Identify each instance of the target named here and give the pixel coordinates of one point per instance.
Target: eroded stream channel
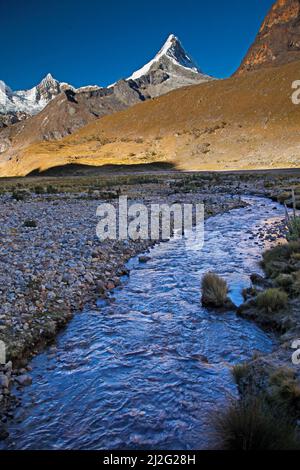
(149, 369)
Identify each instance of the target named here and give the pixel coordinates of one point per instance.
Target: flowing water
(132, 374)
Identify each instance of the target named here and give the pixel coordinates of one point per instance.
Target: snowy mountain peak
(49, 79)
(4, 88)
(29, 101)
(5, 92)
(173, 51)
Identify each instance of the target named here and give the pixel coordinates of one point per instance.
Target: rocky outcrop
(278, 40)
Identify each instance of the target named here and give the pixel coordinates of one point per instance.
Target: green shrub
(289, 282)
(51, 189)
(19, 195)
(255, 425)
(284, 197)
(276, 261)
(285, 390)
(272, 300)
(214, 290)
(296, 284)
(39, 190)
(294, 229)
(285, 281)
(30, 223)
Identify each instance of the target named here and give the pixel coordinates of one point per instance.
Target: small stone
(110, 285)
(144, 259)
(3, 434)
(24, 380)
(4, 382)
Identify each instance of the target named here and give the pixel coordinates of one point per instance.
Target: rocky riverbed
(52, 264)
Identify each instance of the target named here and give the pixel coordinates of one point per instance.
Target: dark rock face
(278, 41)
(128, 92)
(11, 118)
(48, 89)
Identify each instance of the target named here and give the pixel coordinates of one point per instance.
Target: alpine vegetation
(214, 290)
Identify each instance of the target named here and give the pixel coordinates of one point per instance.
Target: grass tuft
(278, 260)
(284, 281)
(239, 372)
(272, 300)
(294, 229)
(254, 425)
(285, 390)
(214, 290)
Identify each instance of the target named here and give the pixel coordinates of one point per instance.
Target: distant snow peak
(88, 88)
(50, 77)
(172, 50)
(48, 80)
(4, 88)
(5, 92)
(30, 101)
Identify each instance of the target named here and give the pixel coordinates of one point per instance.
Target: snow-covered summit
(174, 52)
(49, 80)
(30, 101)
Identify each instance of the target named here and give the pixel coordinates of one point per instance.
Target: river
(150, 368)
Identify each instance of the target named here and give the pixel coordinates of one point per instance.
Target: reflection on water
(147, 370)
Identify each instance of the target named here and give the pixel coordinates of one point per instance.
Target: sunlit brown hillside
(244, 122)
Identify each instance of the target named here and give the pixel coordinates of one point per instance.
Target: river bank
(269, 384)
(267, 414)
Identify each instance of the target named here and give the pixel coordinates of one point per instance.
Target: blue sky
(97, 42)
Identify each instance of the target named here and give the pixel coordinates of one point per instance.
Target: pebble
(24, 380)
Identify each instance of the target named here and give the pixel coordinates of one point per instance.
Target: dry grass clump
(255, 425)
(285, 390)
(240, 371)
(284, 281)
(296, 284)
(290, 283)
(294, 229)
(281, 259)
(272, 300)
(214, 290)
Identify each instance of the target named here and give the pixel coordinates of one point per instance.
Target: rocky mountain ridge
(278, 40)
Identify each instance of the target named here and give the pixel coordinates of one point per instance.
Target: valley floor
(52, 263)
